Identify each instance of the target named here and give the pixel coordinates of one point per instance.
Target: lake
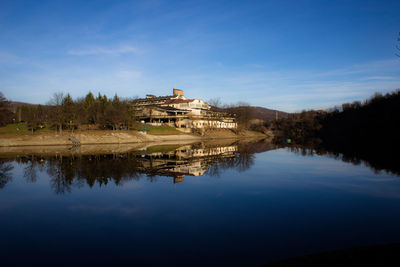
(234, 203)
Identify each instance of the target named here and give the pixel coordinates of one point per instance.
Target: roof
(158, 98)
(178, 101)
(171, 109)
(166, 108)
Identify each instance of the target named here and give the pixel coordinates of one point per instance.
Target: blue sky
(286, 55)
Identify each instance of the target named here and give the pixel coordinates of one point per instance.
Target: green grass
(163, 130)
(20, 128)
(16, 128)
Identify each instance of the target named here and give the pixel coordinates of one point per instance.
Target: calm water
(201, 204)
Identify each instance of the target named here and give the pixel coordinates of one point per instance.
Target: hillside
(267, 114)
(13, 105)
(254, 112)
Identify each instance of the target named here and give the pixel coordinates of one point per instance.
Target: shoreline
(116, 137)
(100, 149)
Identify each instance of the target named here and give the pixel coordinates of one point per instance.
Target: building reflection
(184, 161)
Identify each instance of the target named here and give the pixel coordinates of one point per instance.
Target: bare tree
(243, 113)
(57, 114)
(215, 102)
(2, 99)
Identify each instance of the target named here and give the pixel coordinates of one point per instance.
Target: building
(179, 112)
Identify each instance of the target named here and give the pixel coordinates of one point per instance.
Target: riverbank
(115, 137)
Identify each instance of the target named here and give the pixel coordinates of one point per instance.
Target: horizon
(220, 104)
(287, 56)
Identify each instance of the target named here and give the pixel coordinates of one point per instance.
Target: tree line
(373, 120)
(6, 116)
(241, 111)
(365, 130)
(62, 112)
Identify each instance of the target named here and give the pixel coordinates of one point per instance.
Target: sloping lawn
(20, 128)
(16, 128)
(163, 130)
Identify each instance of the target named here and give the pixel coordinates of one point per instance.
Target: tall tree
(89, 107)
(68, 111)
(6, 115)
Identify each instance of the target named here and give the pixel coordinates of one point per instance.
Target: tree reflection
(76, 170)
(245, 159)
(5, 175)
(241, 161)
(66, 172)
(30, 171)
(377, 161)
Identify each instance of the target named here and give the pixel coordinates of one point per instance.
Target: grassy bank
(23, 129)
(162, 130)
(16, 128)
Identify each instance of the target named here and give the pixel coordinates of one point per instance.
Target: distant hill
(267, 114)
(13, 105)
(260, 113)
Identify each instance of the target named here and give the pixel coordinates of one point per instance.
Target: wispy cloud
(127, 49)
(378, 78)
(128, 74)
(287, 90)
(388, 65)
(294, 90)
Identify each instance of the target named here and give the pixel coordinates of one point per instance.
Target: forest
(365, 130)
(62, 112)
(373, 121)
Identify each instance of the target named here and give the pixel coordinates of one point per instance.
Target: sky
(285, 55)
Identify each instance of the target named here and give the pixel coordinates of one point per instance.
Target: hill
(267, 114)
(259, 113)
(13, 105)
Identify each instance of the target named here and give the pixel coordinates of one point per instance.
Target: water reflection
(265, 206)
(383, 160)
(75, 170)
(79, 166)
(5, 175)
